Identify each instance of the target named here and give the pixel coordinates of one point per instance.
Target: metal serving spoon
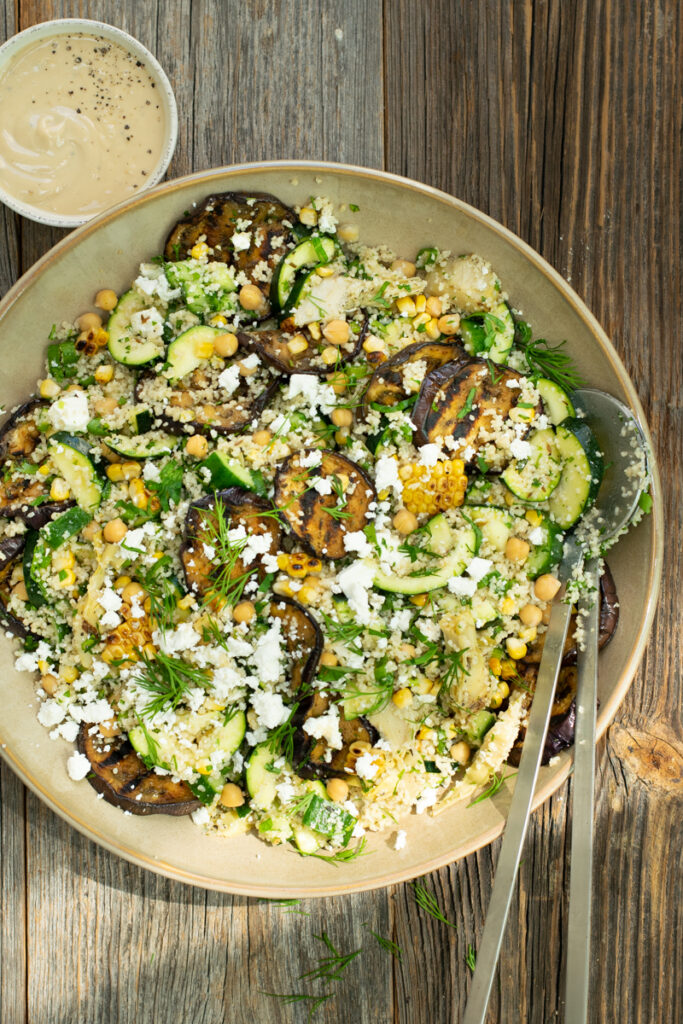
(622, 444)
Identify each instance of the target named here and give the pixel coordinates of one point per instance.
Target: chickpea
(329, 355)
(336, 332)
(251, 297)
(19, 591)
(49, 683)
(546, 587)
(297, 344)
(89, 321)
(517, 550)
(337, 382)
(404, 522)
(449, 324)
(90, 531)
(404, 267)
(262, 438)
(133, 592)
(478, 774)
(434, 306)
(181, 400)
(104, 406)
(531, 615)
(106, 299)
(460, 752)
(244, 611)
(329, 659)
(348, 232)
(231, 795)
(198, 446)
(246, 370)
(115, 531)
(225, 345)
(337, 790)
(342, 417)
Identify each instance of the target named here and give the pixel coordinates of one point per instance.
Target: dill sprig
(337, 511)
(329, 968)
(471, 958)
(427, 901)
(162, 591)
(231, 576)
(387, 945)
(492, 789)
(315, 1002)
(343, 632)
(546, 360)
(342, 856)
(168, 679)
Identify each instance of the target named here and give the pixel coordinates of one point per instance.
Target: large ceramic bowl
(406, 215)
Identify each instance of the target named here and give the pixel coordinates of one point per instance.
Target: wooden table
(563, 121)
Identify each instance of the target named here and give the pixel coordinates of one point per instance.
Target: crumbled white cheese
(148, 324)
(355, 581)
(229, 378)
(478, 568)
(201, 816)
(386, 475)
(270, 709)
(462, 587)
(268, 653)
(252, 362)
(537, 535)
(51, 713)
(183, 638)
(241, 240)
(326, 727)
(77, 767)
(520, 449)
(70, 411)
(429, 454)
(312, 458)
(366, 766)
(400, 840)
(428, 798)
(150, 471)
(286, 792)
(357, 542)
(322, 486)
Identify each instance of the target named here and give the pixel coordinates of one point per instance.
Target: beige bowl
(406, 215)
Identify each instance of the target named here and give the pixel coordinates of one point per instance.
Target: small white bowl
(68, 26)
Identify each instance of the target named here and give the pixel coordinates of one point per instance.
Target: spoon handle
(579, 926)
(520, 807)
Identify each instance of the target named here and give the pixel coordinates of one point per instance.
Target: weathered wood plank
(561, 121)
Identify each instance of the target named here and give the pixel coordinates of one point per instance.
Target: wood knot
(655, 761)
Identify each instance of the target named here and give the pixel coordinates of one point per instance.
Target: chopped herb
(467, 407)
(169, 486)
(427, 901)
(387, 945)
(491, 790)
(168, 679)
(645, 502)
(426, 257)
(354, 208)
(471, 958)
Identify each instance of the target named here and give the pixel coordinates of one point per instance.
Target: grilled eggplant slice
(198, 402)
(609, 616)
(322, 520)
(267, 221)
(460, 399)
(310, 753)
(271, 346)
(203, 573)
(19, 438)
(11, 550)
(124, 781)
(303, 639)
(386, 385)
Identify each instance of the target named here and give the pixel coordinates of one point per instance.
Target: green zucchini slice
(582, 472)
(260, 782)
(226, 472)
(535, 478)
(123, 344)
(311, 252)
(555, 401)
(185, 353)
(143, 446)
(463, 547)
(72, 458)
(489, 336)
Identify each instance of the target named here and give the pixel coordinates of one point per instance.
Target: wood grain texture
(562, 121)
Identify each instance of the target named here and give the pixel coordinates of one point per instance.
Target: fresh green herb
(492, 789)
(61, 360)
(354, 208)
(329, 968)
(426, 257)
(427, 901)
(467, 407)
(342, 856)
(168, 679)
(162, 590)
(169, 486)
(378, 298)
(315, 1002)
(338, 511)
(387, 945)
(471, 958)
(645, 502)
(482, 464)
(546, 360)
(229, 577)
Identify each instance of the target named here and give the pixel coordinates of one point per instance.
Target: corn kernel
(121, 582)
(431, 489)
(66, 578)
(528, 634)
(283, 587)
(308, 216)
(508, 670)
(516, 648)
(533, 517)
(495, 701)
(509, 498)
(402, 698)
(218, 320)
(297, 344)
(421, 318)
(138, 494)
(69, 673)
(199, 251)
(45, 469)
(419, 600)
(495, 666)
(422, 685)
(150, 650)
(62, 560)
(507, 606)
(406, 305)
(424, 733)
(203, 349)
(324, 271)
(186, 602)
(49, 388)
(315, 331)
(295, 565)
(432, 329)
(104, 373)
(59, 489)
(503, 690)
(420, 303)
(374, 345)
(43, 667)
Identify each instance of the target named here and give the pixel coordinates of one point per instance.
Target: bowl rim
(607, 710)
(63, 26)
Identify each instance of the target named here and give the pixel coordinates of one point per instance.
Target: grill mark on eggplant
(304, 508)
(386, 384)
(303, 638)
(242, 508)
(271, 346)
(18, 438)
(122, 782)
(309, 752)
(443, 404)
(215, 218)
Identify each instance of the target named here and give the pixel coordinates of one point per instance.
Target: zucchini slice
(555, 401)
(548, 553)
(260, 782)
(188, 350)
(200, 739)
(227, 472)
(311, 252)
(72, 458)
(464, 544)
(536, 477)
(142, 446)
(123, 344)
(582, 472)
(329, 819)
(489, 335)
(496, 524)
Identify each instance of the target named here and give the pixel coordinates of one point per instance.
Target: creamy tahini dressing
(81, 125)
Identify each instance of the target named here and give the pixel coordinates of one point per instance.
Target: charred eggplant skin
(8, 439)
(306, 511)
(11, 549)
(303, 636)
(386, 384)
(124, 780)
(271, 346)
(17, 440)
(609, 615)
(270, 224)
(241, 506)
(309, 753)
